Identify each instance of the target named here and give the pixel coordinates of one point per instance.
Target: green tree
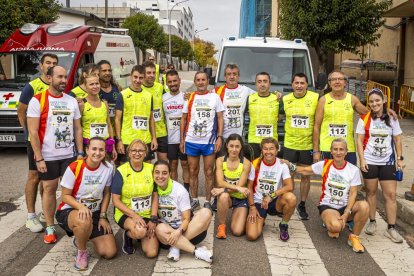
(179, 48)
(15, 13)
(204, 52)
(333, 26)
(145, 32)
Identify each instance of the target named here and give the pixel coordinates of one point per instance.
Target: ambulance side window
(85, 59)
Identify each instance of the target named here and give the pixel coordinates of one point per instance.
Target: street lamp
(169, 27)
(195, 34)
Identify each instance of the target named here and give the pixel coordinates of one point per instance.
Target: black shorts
(122, 220)
(350, 157)
(30, 157)
(174, 153)
(124, 157)
(56, 168)
(62, 217)
(239, 203)
(385, 172)
(326, 207)
(303, 157)
(271, 209)
(162, 144)
(196, 240)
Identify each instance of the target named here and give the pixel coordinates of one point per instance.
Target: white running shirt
(173, 110)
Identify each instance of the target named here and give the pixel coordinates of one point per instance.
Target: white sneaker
(42, 217)
(34, 225)
(371, 228)
(202, 253)
(174, 254)
(393, 235)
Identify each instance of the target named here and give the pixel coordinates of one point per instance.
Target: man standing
(234, 98)
(334, 118)
(156, 90)
(173, 104)
(53, 120)
(157, 68)
(109, 88)
(263, 108)
(34, 87)
(300, 107)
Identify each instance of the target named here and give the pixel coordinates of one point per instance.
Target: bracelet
(251, 205)
(154, 219)
(103, 215)
(316, 151)
(37, 161)
(292, 167)
(81, 153)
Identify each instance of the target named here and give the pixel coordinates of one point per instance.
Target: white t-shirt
(335, 187)
(269, 179)
(89, 186)
(171, 206)
(202, 122)
(56, 130)
(234, 101)
(379, 148)
(173, 109)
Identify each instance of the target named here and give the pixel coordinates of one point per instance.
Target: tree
(179, 48)
(15, 13)
(145, 32)
(333, 26)
(204, 52)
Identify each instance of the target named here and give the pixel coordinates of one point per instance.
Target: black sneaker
(128, 244)
(208, 206)
(194, 204)
(214, 204)
(303, 215)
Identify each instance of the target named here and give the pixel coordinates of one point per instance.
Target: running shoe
(221, 231)
(50, 235)
(82, 260)
(371, 228)
(195, 204)
(42, 217)
(202, 253)
(350, 225)
(207, 205)
(355, 243)
(393, 235)
(128, 244)
(303, 215)
(34, 225)
(174, 254)
(284, 234)
(214, 204)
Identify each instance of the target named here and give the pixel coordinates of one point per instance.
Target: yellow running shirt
(94, 121)
(157, 90)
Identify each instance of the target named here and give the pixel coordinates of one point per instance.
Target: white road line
(187, 265)
(297, 256)
(60, 259)
(12, 222)
(392, 258)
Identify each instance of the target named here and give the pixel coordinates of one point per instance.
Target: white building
(182, 23)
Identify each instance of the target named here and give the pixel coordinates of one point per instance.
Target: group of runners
(99, 142)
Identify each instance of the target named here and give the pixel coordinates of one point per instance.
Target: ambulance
(75, 46)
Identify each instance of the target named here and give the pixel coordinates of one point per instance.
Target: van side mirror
(321, 81)
(212, 80)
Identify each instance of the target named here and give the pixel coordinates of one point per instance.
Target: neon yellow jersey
(164, 82)
(38, 86)
(157, 90)
(264, 112)
(232, 177)
(300, 119)
(338, 122)
(136, 116)
(157, 73)
(79, 92)
(94, 121)
(137, 188)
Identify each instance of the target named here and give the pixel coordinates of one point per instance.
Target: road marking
(187, 265)
(298, 256)
(60, 259)
(13, 221)
(392, 258)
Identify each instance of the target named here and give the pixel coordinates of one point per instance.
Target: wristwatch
(400, 158)
(154, 219)
(103, 215)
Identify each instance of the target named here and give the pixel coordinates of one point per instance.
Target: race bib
(337, 130)
(233, 116)
(168, 213)
(140, 123)
(203, 114)
(61, 118)
(141, 204)
(99, 130)
(111, 110)
(300, 121)
(337, 191)
(266, 186)
(264, 130)
(93, 204)
(174, 123)
(157, 115)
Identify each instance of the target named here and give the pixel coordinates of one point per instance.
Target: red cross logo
(8, 96)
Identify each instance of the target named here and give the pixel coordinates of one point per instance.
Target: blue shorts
(193, 149)
(350, 157)
(271, 209)
(239, 202)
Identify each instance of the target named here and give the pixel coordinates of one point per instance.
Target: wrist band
(37, 161)
(251, 205)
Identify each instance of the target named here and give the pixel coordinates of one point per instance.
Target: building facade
(256, 18)
(116, 15)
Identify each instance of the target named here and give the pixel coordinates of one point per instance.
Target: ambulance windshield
(18, 68)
